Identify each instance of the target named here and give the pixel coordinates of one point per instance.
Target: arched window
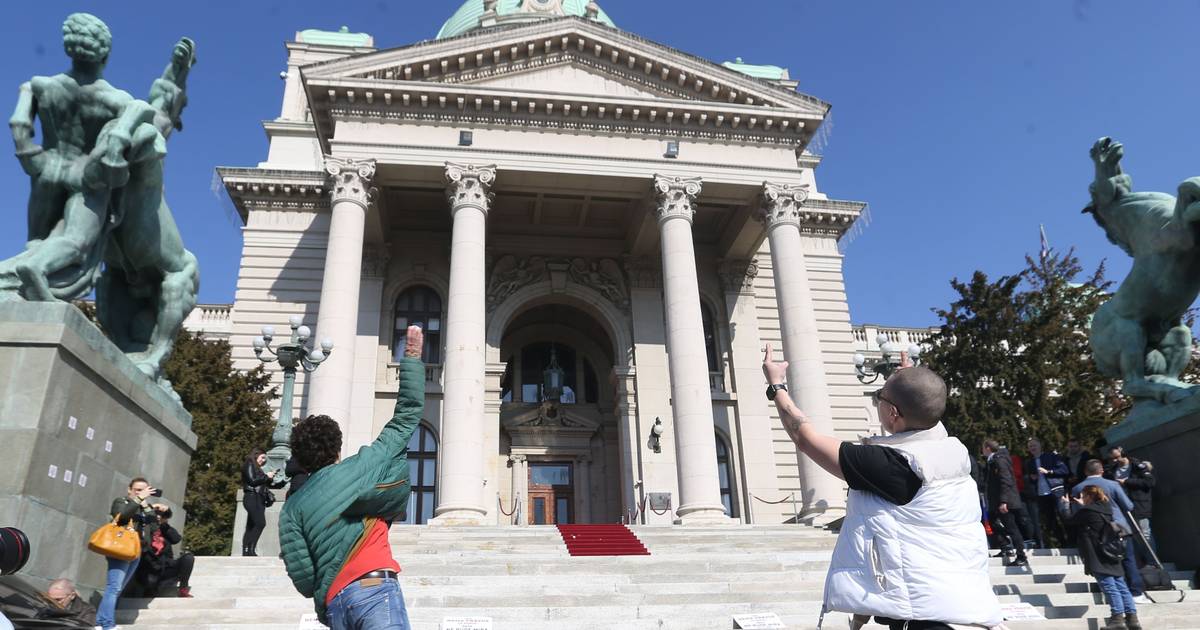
(422, 306)
(725, 473)
(422, 474)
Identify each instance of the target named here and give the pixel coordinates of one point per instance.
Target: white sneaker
(1142, 599)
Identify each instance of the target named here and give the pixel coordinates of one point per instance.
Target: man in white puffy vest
(912, 550)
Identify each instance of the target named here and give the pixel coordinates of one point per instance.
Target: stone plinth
(1171, 446)
(77, 422)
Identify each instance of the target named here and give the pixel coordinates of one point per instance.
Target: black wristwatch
(772, 389)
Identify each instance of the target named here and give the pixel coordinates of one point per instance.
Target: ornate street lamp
(893, 357)
(553, 378)
(290, 356)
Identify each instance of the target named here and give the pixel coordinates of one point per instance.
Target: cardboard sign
(1021, 611)
(466, 623)
(309, 622)
(758, 621)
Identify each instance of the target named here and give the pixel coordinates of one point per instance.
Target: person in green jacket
(334, 531)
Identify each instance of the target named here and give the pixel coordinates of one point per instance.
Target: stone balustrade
(210, 321)
(865, 336)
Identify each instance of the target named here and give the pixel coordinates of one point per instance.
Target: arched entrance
(557, 424)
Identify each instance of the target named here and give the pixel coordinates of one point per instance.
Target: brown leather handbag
(116, 542)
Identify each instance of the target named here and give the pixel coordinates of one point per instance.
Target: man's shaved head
(918, 394)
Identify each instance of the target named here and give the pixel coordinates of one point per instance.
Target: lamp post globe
(291, 356)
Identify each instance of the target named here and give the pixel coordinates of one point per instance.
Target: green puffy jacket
(329, 516)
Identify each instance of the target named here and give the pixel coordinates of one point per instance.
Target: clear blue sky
(963, 124)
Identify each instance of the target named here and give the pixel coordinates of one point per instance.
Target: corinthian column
(801, 340)
(330, 388)
(691, 398)
(460, 488)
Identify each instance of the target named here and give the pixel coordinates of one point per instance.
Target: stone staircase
(695, 578)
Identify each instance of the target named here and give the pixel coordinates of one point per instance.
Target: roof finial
(592, 10)
(344, 29)
(489, 5)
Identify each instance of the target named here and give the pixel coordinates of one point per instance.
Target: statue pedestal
(77, 422)
(1171, 445)
(268, 543)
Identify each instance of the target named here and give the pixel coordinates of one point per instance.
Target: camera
(14, 550)
(157, 492)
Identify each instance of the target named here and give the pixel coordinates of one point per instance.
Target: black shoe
(1001, 554)
(1019, 562)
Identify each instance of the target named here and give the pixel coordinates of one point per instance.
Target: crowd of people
(1100, 505)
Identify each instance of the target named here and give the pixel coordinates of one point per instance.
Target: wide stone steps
(695, 578)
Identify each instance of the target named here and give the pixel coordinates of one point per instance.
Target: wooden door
(551, 494)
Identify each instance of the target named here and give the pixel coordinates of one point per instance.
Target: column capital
(781, 204)
(738, 274)
(350, 180)
(517, 459)
(676, 196)
(469, 185)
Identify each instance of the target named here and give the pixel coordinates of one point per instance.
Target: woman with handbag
(130, 513)
(256, 497)
(1100, 549)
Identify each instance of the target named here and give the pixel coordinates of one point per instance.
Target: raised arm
(21, 125)
(822, 449)
(168, 93)
(410, 399)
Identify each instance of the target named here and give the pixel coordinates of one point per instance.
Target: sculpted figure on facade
(604, 276)
(510, 274)
(97, 216)
(1138, 335)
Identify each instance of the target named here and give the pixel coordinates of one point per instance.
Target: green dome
(466, 18)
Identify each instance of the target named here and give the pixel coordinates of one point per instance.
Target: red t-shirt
(373, 555)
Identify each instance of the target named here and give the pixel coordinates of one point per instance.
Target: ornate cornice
(469, 186)
(644, 272)
(252, 189)
(781, 204)
(676, 196)
(350, 180)
(737, 275)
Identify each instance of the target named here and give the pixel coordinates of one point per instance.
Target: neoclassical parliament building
(598, 233)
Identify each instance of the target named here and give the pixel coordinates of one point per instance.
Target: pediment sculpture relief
(510, 274)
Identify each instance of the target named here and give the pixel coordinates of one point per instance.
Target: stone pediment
(550, 416)
(565, 73)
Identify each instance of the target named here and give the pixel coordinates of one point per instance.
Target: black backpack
(1110, 544)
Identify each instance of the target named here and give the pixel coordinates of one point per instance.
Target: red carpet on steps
(601, 540)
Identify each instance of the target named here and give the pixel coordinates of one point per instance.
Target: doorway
(551, 493)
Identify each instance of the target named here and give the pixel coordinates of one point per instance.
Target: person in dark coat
(1003, 499)
(296, 475)
(1076, 458)
(255, 483)
(1137, 479)
(1094, 516)
(159, 563)
(1045, 478)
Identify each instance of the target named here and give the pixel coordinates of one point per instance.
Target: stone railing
(866, 334)
(433, 373)
(210, 320)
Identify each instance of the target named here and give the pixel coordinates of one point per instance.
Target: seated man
(159, 564)
(911, 551)
(65, 603)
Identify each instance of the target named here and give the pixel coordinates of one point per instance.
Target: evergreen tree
(1015, 355)
(231, 415)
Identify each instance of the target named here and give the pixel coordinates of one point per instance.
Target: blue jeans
(1117, 594)
(119, 574)
(1132, 575)
(359, 607)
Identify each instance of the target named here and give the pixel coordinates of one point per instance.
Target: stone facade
(649, 218)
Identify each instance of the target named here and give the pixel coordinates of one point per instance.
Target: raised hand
(414, 342)
(1107, 154)
(776, 372)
